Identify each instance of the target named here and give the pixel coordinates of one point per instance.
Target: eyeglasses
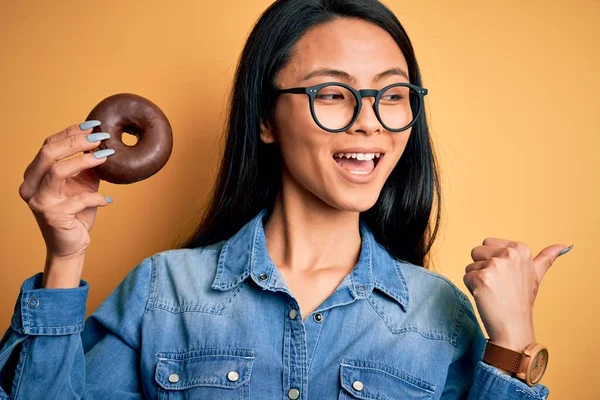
(335, 106)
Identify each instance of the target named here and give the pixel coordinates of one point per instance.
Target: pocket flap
(374, 380)
(180, 371)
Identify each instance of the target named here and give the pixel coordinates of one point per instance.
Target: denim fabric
(218, 323)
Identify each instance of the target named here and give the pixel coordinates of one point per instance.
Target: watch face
(538, 365)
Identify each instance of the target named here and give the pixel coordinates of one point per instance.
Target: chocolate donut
(127, 112)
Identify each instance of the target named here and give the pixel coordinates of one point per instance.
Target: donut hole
(131, 135)
(129, 139)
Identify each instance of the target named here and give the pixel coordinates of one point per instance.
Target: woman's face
(360, 52)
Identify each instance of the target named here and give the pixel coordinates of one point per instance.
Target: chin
(356, 204)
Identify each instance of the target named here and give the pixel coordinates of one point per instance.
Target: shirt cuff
(491, 383)
(40, 311)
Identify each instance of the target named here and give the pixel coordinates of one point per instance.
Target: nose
(367, 122)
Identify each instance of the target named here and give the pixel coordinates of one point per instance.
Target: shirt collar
(245, 255)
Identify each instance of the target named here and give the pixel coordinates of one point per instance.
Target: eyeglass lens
(335, 107)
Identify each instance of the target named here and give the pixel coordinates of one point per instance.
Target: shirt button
(294, 394)
(173, 378)
(233, 376)
(358, 386)
(263, 277)
(33, 302)
(293, 313)
(318, 317)
(361, 288)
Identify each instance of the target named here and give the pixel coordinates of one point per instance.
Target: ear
(266, 133)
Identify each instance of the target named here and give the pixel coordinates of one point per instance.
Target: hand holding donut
(64, 205)
(504, 280)
(62, 192)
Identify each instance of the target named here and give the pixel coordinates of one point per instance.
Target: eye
(395, 95)
(392, 97)
(330, 96)
(334, 94)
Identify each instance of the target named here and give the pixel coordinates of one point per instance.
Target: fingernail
(96, 137)
(103, 153)
(84, 126)
(565, 251)
(109, 199)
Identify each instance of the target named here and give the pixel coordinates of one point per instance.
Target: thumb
(544, 260)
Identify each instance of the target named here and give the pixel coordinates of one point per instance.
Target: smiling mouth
(358, 163)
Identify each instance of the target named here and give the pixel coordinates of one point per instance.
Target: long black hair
(250, 173)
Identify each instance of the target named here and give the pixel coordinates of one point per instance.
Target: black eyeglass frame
(311, 92)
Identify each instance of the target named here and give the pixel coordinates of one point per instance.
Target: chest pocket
(222, 374)
(374, 380)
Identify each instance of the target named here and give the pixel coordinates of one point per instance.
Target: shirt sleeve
(470, 378)
(49, 352)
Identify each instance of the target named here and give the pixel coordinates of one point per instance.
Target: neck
(305, 234)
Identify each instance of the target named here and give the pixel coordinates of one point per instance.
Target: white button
(233, 376)
(293, 313)
(294, 394)
(358, 386)
(173, 378)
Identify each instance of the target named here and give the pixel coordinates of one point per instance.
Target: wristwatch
(528, 366)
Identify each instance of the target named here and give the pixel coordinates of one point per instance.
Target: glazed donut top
(134, 114)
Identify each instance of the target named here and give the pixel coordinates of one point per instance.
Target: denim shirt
(219, 322)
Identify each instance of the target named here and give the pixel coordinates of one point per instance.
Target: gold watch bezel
(530, 354)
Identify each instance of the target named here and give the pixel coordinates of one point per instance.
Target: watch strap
(502, 358)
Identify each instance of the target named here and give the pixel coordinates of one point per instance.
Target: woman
(304, 279)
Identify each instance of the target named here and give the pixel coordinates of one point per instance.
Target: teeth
(359, 156)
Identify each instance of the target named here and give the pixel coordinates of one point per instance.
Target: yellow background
(513, 107)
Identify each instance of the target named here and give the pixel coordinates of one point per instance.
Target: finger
(49, 154)
(473, 281)
(544, 260)
(69, 131)
(481, 253)
(73, 130)
(60, 136)
(476, 266)
(521, 248)
(80, 202)
(58, 172)
(497, 242)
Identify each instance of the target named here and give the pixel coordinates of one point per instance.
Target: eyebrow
(346, 76)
